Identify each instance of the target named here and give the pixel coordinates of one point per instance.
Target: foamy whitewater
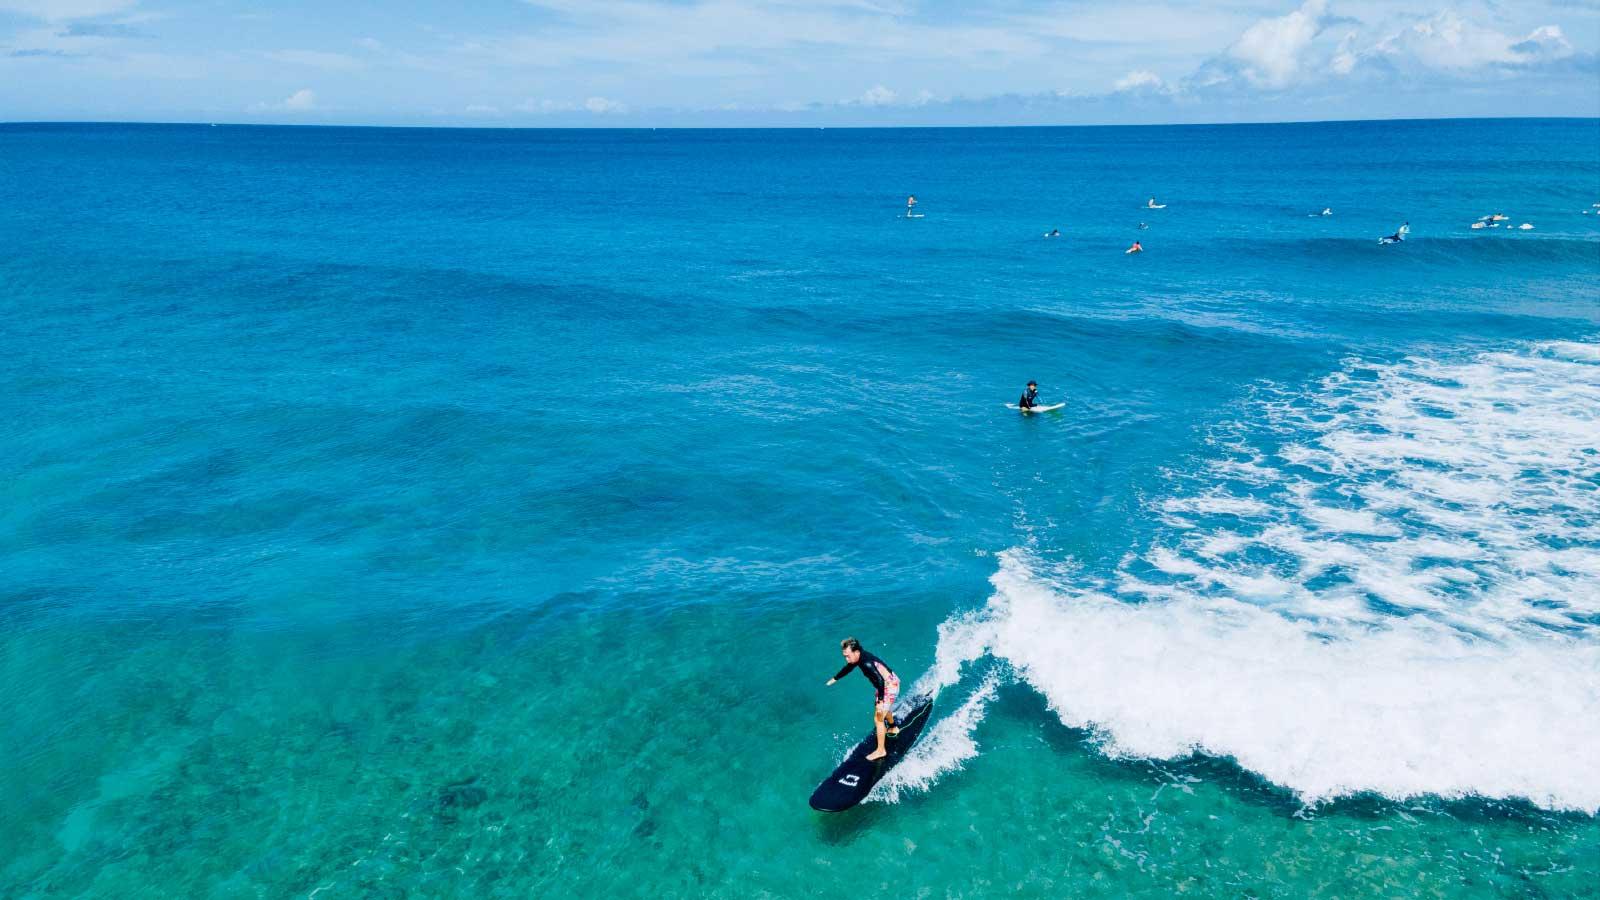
(1385, 584)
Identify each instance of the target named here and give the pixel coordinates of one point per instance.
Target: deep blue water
(477, 513)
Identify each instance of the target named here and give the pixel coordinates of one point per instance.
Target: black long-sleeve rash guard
(872, 667)
(1030, 397)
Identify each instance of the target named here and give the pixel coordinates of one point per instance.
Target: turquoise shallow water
(476, 513)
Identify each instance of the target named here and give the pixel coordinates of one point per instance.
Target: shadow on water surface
(843, 828)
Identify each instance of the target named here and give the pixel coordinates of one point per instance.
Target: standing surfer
(911, 206)
(884, 682)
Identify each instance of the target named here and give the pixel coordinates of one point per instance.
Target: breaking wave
(1389, 583)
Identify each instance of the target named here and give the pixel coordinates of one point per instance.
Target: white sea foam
(945, 746)
(1406, 709)
(1399, 593)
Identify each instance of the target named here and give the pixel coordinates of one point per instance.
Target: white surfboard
(1036, 408)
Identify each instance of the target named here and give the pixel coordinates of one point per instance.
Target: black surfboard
(853, 780)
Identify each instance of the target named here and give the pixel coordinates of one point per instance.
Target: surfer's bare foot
(877, 754)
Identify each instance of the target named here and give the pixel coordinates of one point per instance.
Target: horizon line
(486, 127)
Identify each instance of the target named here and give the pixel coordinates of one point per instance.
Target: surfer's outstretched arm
(848, 668)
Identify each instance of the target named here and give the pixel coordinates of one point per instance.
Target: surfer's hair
(850, 644)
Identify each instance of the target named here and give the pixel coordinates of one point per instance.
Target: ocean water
(426, 513)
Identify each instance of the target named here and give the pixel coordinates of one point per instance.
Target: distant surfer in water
(1398, 236)
(1136, 248)
(1030, 397)
(1152, 204)
(1054, 232)
(884, 681)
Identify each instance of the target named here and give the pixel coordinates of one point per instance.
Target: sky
(734, 63)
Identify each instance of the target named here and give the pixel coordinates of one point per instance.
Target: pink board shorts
(891, 691)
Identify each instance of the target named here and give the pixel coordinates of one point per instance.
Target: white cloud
(1298, 49)
(1344, 59)
(1446, 41)
(546, 106)
(877, 95)
(302, 100)
(1269, 53)
(1544, 42)
(316, 59)
(482, 109)
(1139, 79)
(597, 105)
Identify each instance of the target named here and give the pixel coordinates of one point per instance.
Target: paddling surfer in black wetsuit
(884, 681)
(1030, 397)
